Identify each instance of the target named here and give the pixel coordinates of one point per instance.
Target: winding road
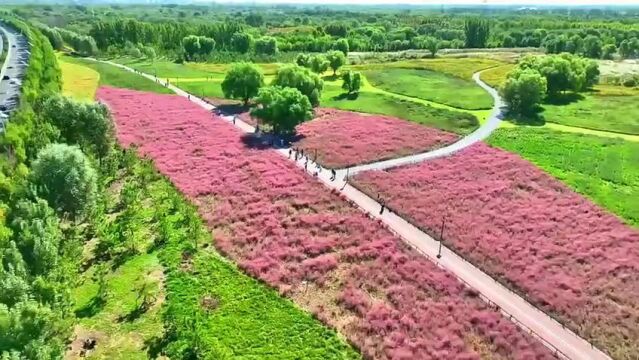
(492, 123)
(562, 341)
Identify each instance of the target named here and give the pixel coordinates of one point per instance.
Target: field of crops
(431, 86)
(604, 169)
(80, 82)
(344, 138)
(496, 76)
(522, 226)
(286, 229)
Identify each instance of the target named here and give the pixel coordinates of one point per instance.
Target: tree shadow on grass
(534, 119)
(331, 77)
(233, 109)
(133, 314)
(347, 96)
(91, 308)
(564, 99)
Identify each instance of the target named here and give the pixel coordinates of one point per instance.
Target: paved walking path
(559, 339)
(490, 125)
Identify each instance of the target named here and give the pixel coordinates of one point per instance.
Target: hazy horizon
(438, 2)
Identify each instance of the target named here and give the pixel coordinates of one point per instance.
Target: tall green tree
(191, 45)
(319, 64)
(62, 175)
(524, 91)
(241, 42)
(477, 32)
(342, 45)
(242, 81)
(336, 60)
(302, 79)
(282, 108)
(352, 81)
(266, 45)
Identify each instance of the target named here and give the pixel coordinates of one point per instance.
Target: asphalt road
(12, 71)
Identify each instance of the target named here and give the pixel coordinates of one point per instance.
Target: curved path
(482, 132)
(563, 342)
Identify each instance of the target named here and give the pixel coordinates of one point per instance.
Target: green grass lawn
(116, 77)
(118, 338)
(617, 113)
(432, 86)
(463, 68)
(605, 170)
(202, 88)
(376, 103)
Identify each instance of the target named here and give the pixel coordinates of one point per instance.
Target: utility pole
(441, 237)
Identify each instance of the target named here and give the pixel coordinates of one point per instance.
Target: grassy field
(202, 88)
(80, 82)
(116, 77)
(459, 67)
(604, 169)
(603, 110)
(376, 103)
(496, 76)
(431, 86)
(120, 335)
(198, 297)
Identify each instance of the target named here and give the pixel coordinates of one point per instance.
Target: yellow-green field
(78, 82)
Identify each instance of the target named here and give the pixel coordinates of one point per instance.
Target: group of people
(296, 154)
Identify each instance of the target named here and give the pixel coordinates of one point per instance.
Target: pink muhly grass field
(285, 228)
(343, 138)
(524, 227)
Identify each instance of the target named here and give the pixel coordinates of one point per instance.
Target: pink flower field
(519, 224)
(285, 228)
(345, 138)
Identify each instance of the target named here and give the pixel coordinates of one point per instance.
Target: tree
(303, 60)
(241, 42)
(206, 45)
(352, 81)
(319, 64)
(255, 20)
(86, 124)
(191, 45)
(336, 60)
(432, 45)
(282, 108)
(242, 81)
(629, 48)
(523, 91)
(509, 42)
(477, 32)
(575, 44)
(266, 45)
(301, 79)
(608, 51)
(592, 47)
(62, 175)
(342, 45)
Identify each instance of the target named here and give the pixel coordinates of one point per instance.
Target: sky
(451, 2)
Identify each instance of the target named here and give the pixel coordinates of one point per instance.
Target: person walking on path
(333, 174)
(306, 164)
(382, 203)
(290, 152)
(234, 119)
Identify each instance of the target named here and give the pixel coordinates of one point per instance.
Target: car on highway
(6, 77)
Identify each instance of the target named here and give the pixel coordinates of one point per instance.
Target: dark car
(6, 77)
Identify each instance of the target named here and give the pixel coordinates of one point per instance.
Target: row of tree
(539, 78)
(291, 96)
(83, 44)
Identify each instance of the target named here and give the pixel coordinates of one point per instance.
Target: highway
(12, 71)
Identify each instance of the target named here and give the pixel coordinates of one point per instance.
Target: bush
(62, 175)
